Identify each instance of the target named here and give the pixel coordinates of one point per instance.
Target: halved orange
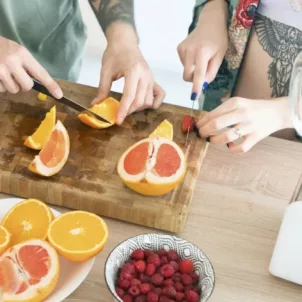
(78, 235)
(29, 272)
(54, 154)
(28, 219)
(164, 129)
(153, 166)
(107, 109)
(38, 139)
(5, 238)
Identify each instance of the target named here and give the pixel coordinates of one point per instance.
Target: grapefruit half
(54, 154)
(153, 166)
(29, 271)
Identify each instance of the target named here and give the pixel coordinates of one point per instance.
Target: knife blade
(68, 102)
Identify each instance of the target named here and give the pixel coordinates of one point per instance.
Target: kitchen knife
(76, 106)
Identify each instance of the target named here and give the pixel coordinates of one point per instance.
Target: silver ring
(238, 132)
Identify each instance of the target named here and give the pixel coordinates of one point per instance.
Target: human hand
(253, 120)
(202, 52)
(17, 66)
(124, 59)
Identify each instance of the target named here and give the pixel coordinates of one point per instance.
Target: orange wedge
(28, 219)
(54, 154)
(38, 139)
(78, 235)
(164, 129)
(5, 238)
(107, 109)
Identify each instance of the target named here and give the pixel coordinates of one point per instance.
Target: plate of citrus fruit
(45, 255)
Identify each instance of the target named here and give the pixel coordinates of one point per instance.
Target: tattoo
(283, 43)
(111, 11)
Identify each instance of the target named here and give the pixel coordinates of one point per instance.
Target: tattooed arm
(123, 58)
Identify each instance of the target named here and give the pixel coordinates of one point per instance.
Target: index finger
(40, 74)
(129, 93)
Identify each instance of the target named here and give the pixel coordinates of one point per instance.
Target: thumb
(104, 87)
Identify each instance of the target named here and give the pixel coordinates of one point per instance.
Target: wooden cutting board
(89, 180)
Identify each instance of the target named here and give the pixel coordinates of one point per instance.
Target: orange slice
(29, 271)
(153, 166)
(28, 219)
(107, 109)
(78, 235)
(5, 239)
(165, 130)
(38, 139)
(54, 154)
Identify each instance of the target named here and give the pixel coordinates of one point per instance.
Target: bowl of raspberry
(159, 268)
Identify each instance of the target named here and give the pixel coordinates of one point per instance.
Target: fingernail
(205, 86)
(193, 96)
(58, 93)
(196, 130)
(208, 139)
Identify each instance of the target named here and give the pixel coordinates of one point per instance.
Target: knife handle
(40, 88)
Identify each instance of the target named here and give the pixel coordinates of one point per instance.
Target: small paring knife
(76, 106)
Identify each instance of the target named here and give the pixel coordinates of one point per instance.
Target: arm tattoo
(112, 11)
(283, 43)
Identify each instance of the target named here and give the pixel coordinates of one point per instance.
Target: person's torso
(53, 31)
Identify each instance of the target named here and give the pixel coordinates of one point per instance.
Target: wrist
(285, 112)
(121, 33)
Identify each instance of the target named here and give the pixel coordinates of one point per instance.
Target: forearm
(116, 18)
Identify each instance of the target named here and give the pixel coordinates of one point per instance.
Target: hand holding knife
(68, 102)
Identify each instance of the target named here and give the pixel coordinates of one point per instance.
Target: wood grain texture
(89, 180)
(235, 215)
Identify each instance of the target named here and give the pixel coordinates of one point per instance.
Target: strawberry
(140, 266)
(152, 297)
(188, 123)
(186, 266)
(191, 296)
(138, 255)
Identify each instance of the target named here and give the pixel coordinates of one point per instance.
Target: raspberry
(180, 296)
(128, 268)
(125, 276)
(157, 290)
(191, 296)
(164, 260)
(172, 255)
(145, 288)
(127, 298)
(165, 299)
(144, 278)
(186, 266)
(120, 292)
(179, 287)
(169, 291)
(140, 299)
(162, 252)
(176, 277)
(150, 270)
(152, 297)
(154, 259)
(124, 284)
(186, 279)
(134, 291)
(197, 290)
(188, 288)
(157, 279)
(168, 282)
(167, 270)
(135, 282)
(195, 277)
(140, 266)
(138, 255)
(175, 265)
(188, 123)
(148, 253)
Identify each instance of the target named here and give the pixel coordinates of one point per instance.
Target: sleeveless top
(53, 31)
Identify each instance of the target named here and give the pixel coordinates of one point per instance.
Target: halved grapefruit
(54, 154)
(107, 109)
(29, 271)
(38, 139)
(153, 166)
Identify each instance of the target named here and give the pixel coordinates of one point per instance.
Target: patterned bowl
(185, 249)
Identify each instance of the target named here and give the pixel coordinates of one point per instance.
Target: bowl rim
(159, 234)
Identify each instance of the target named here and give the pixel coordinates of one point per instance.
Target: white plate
(71, 274)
